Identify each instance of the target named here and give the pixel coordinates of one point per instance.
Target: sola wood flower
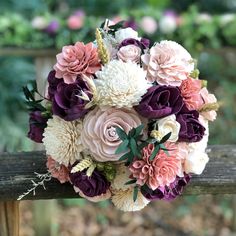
(120, 84)
(76, 60)
(62, 140)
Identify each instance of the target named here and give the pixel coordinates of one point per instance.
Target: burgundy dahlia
(160, 101)
(37, 125)
(191, 130)
(92, 186)
(66, 101)
(168, 192)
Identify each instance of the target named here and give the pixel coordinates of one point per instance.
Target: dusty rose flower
(99, 131)
(75, 22)
(190, 91)
(208, 98)
(76, 60)
(129, 53)
(160, 172)
(57, 170)
(167, 63)
(148, 24)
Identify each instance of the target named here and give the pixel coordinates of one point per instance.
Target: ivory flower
(62, 140)
(99, 131)
(123, 200)
(120, 84)
(169, 124)
(167, 63)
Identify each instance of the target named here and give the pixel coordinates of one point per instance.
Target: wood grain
(17, 171)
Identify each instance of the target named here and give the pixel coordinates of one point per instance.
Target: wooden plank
(28, 52)
(9, 218)
(17, 171)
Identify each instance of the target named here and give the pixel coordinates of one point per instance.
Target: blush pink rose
(99, 132)
(167, 63)
(57, 170)
(75, 22)
(75, 60)
(129, 53)
(190, 91)
(208, 98)
(160, 172)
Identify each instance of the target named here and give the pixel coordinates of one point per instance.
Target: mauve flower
(190, 91)
(52, 27)
(37, 125)
(57, 170)
(208, 98)
(191, 130)
(130, 23)
(143, 43)
(90, 186)
(168, 192)
(66, 100)
(129, 53)
(78, 59)
(160, 101)
(99, 131)
(159, 172)
(167, 63)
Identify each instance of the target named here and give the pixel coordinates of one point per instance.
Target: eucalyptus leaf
(123, 147)
(165, 138)
(133, 146)
(132, 181)
(121, 133)
(135, 193)
(155, 151)
(138, 130)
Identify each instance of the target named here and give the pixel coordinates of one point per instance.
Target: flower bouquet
(122, 119)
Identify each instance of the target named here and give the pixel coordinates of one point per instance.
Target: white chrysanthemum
(121, 84)
(123, 200)
(62, 140)
(122, 177)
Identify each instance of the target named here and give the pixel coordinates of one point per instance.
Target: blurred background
(32, 32)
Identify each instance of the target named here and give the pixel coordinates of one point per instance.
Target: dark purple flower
(92, 186)
(52, 27)
(160, 101)
(168, 192)
(143, 43)
(37, 125)
(191, 130)
(66, 102)
(131, 23)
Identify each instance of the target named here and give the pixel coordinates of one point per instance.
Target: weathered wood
(9, 218)
(28, 52)
(17, 171)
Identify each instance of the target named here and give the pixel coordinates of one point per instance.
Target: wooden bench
(17, 171)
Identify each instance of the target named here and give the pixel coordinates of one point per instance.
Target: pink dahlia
(190, 91)
(161, 171)
(75, 60)
(57, 170)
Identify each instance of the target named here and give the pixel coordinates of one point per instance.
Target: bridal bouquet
(123, 119)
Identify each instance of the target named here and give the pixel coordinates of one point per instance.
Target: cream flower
(169, 124)
(99, 131)
(123, 200)
(120, 84)
(62, 140)
(167, 63)
(126, 33)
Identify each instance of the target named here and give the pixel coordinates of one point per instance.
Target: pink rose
(190, 91)
(75, 60)
(167, 63)
(208, 98)
(75, 22)
(99, 132)
(57, 170)
(129, 53)
(160, 172)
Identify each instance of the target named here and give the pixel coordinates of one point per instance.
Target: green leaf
(121, 133)
(155, 151)
(138, 130)
(131, 133)
(135, 193)
(162, 146)
(132, 181)
(123, 147)
(125, 156)
(27, 93)
(165, 138)
(133, 146)
(151, 140)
